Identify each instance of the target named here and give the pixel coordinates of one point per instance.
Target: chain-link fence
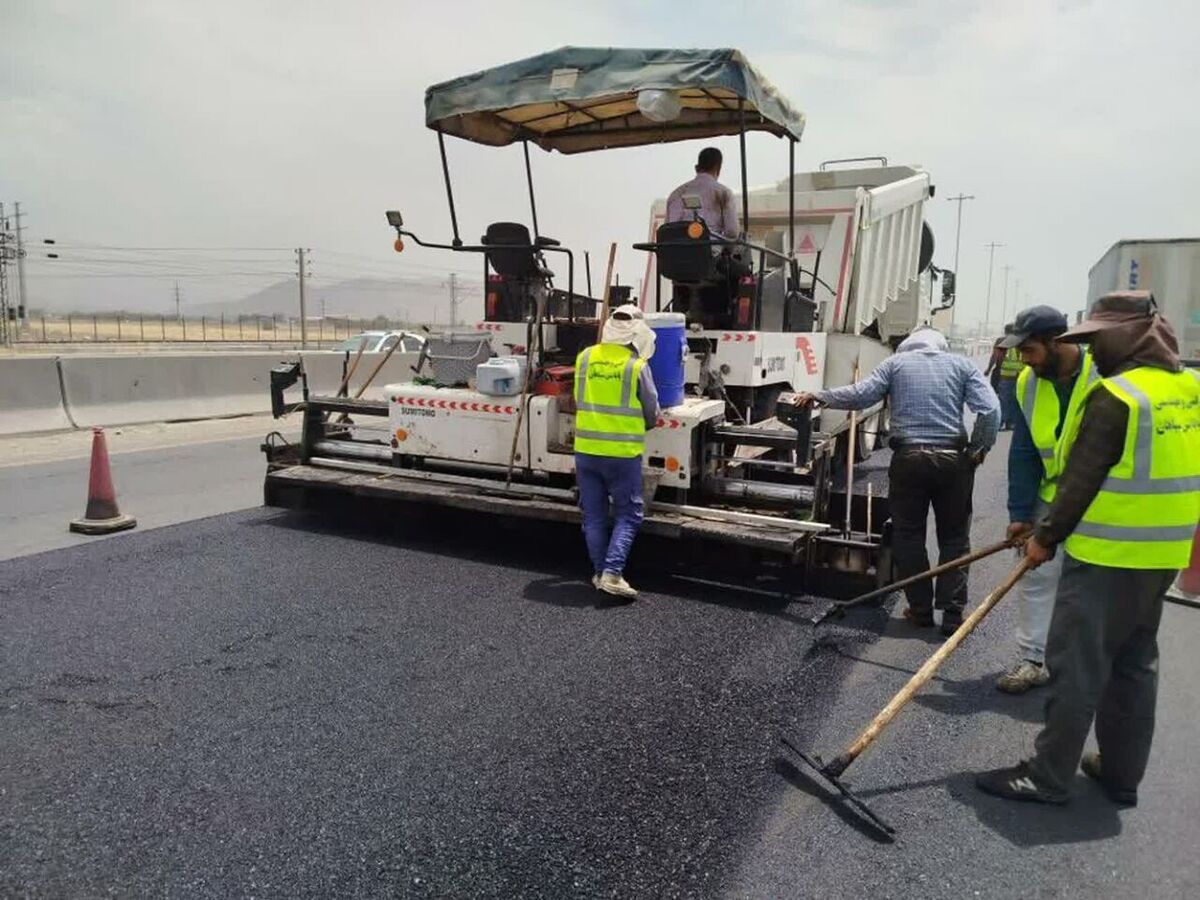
(136, 328)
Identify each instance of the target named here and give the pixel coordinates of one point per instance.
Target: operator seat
(689, 260)
(514, 255)
(521, 276)
(698, 287)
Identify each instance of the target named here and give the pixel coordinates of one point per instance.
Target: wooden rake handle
(942, 568)
(836, 766)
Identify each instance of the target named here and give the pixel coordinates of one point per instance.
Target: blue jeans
(601, 478)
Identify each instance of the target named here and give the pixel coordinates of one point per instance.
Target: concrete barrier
(126, 390)
(47, 394)
(324, 371)
(31, 396)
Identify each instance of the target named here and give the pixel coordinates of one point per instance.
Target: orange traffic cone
(102, 515)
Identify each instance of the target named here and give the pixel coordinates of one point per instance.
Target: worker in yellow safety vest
(615, 405)
(1125, 510)
(1010, 368)
(1050, 388)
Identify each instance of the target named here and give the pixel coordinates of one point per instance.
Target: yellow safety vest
(608, 413)
(1040, 405)
(1145, 515)
(1012, 365)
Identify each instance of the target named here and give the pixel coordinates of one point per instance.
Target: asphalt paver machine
(737, 463)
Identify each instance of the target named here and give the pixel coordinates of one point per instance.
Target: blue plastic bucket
(670, 350)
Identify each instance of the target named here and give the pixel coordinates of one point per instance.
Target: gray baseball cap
(1036, 320)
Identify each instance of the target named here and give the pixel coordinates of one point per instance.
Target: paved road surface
(164, 474)
(258, 703)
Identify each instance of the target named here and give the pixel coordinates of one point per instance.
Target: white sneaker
(1023, 676)
(612, 583)
(596, 581)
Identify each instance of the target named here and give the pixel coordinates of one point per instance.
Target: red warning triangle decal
(808, 245)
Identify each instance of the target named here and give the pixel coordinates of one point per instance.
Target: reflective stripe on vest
(608, 413)
(1042, 410)
(1012, 365)
(1145, 514)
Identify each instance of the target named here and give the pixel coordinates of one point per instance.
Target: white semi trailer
(1169, 268)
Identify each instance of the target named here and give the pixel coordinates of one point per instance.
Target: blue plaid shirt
(928, 387)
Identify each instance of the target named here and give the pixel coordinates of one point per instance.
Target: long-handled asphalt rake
(838, 608)
(832, 770)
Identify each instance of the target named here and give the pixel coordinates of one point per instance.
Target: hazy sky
(281, 124)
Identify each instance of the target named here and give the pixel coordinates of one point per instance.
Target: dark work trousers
(1010, 408)
(943, 478)
(1103, 656)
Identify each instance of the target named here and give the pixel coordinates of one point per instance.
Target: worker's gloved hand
(806, 399)
(1017, 529)
(1037, 553)
(976, 457)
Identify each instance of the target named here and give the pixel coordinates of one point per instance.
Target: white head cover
(627, 325)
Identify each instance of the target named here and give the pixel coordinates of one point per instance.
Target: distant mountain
(410, 300)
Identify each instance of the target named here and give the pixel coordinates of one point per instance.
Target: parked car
(381, 341)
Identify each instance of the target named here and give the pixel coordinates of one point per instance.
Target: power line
(88, 246)
(168, 275)
(405, 264)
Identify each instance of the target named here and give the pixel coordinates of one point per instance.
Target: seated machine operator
(718, 209)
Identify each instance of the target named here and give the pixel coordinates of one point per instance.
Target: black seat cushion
(515, 255)
(690, 260)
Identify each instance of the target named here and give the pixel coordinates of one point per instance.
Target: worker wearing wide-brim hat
(1124, 513)
(616, 404)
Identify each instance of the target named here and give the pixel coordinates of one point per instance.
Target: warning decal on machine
(433, 403)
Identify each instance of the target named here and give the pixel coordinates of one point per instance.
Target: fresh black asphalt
(269, 704)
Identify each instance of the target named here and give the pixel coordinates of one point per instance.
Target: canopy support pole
(791, 198)
(742, 144)
(457, 242)
(532, 202)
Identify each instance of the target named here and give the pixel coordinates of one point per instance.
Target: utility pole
(453, 299)
(300, 251)
(178, 307)
(22, 297)
(987, 314)
(957, 236)
(1004, 302)
(6, 253)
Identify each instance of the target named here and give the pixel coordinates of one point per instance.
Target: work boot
(1090, 764)
(952, 620)
(922, 618)
(596, 581)
(1017, 783)
(1022, 677)
(613, 583)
